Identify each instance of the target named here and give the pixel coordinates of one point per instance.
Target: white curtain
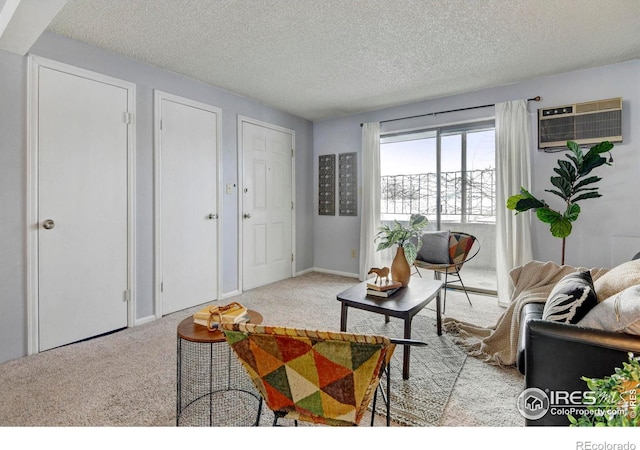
(370, 211)
(513, 153)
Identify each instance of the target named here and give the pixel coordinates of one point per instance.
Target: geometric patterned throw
(315, 376)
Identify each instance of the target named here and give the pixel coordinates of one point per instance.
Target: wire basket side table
(212, 387)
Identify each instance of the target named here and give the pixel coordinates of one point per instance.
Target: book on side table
(210, 316)
(382, 288)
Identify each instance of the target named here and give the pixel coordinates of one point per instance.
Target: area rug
(420, 400)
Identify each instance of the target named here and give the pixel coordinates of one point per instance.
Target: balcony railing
(465, 196)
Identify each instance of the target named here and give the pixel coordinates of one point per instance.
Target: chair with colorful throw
(445, 252)
(323, 377)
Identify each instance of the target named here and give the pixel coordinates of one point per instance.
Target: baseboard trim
(304, 272)
(144, 320)
(231, 294)
(336, 272)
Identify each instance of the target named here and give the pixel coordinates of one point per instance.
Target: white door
(82, 201)
(188, 159)
(267, 204)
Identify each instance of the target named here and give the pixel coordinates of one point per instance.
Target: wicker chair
(460, 252)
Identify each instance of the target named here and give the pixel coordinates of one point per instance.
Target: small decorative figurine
(380, 274)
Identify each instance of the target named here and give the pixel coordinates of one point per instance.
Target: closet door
(188, 209)
(82, 199)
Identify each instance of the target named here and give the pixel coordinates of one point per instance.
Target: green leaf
(577, 151)
(547, 215)
(561, 228)
(524, 201)
(563, 184)
(575, 191)
(410, 252)
(401, 235)
(559, 194)
(572, 212)
(417, 221)
(576, 163)
(526, 204)
(574, 147)
(567, 170)
(602, 147)
(591, 162)
(586, 196)
(513, 201)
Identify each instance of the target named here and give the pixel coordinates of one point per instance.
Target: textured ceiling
(325, 58)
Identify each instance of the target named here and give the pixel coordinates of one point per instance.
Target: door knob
(212, 216)
(48, 224)
(247, 216)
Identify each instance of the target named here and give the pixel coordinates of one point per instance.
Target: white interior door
(82, 203)
(267, 204)
(188, 158)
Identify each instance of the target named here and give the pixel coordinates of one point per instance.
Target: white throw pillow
(619, 313)
(617, 279)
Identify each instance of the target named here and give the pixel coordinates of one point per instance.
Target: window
(448, 174)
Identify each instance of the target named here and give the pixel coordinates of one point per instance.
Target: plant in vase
(572, 185)
(408, 239)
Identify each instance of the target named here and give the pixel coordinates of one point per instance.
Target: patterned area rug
(420, 400)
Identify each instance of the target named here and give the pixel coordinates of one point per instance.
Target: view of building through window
(449, 175)
(409, 172)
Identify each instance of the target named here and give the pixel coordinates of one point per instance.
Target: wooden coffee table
(404, 304)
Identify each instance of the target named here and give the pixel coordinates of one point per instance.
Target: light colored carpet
(128, 378)
(420, 400)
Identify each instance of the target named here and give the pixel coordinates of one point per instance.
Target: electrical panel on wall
(585, 123)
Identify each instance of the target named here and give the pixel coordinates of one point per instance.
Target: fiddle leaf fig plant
(403, 236)
(571, 184)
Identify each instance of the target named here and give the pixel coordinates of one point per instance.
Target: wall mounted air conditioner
(584, 123)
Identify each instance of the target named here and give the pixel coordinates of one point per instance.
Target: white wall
(617, 213)
(13, 151)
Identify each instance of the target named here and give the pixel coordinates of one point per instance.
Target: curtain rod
(535, 99)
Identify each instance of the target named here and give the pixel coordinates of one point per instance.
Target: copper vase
(400, 269)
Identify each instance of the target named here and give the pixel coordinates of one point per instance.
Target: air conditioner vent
(586, 107)
(585, 123)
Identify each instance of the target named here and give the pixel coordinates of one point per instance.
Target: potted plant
(408, 239)
(614, 399)
(572, 186)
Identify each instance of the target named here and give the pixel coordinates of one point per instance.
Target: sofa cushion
(617, 279)
(435, 247)
(571, 298)
(619, 313)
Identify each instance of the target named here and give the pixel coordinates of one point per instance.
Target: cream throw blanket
(498, 345)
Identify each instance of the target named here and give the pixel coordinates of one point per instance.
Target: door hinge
(127, 118)
(126, 297)
(292, 257)
(292, 153)
(162, 286)
(291, 206)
